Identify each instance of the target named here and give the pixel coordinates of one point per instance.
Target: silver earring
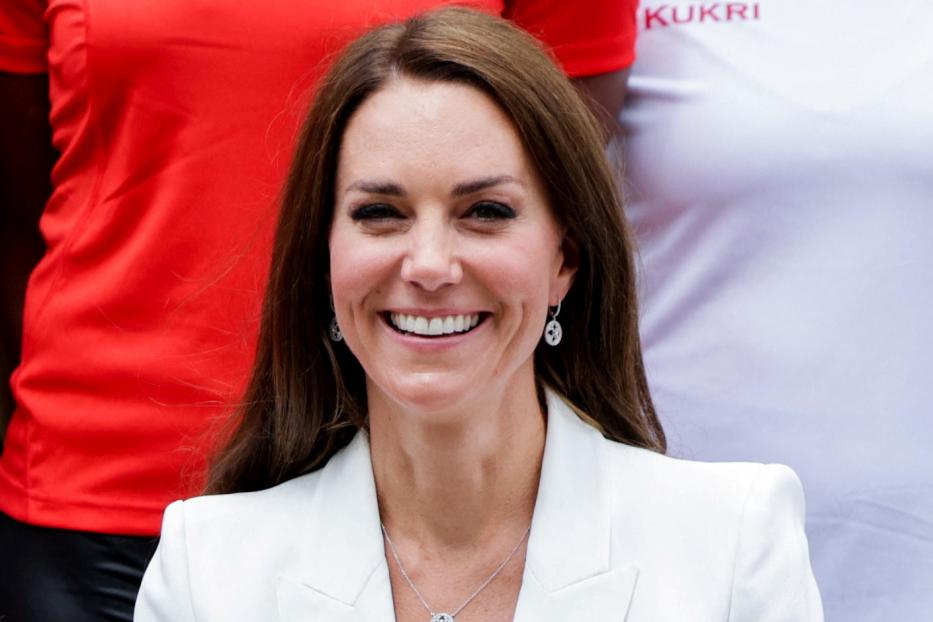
(553, 330)
(335, 334)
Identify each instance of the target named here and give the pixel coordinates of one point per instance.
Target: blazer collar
(570, 529)
(342, 572)
(568, 570)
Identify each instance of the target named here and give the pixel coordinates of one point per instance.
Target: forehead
(454, 128)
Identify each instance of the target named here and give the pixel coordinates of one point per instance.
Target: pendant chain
(482, 586)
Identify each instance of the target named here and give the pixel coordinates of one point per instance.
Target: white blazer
(618, 533)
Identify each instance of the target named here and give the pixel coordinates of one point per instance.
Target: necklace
(449, 617)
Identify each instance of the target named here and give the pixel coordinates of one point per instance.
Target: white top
(618, 533)
(780, 181)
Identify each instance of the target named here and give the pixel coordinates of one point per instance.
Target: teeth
(432, 327)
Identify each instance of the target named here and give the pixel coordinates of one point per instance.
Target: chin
(427, 393)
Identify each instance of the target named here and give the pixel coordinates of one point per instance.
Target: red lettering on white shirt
(709, 10)
(664, 15)
(735, 8)
(685, 19)
(652, 15)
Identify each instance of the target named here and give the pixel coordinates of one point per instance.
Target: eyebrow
(476, 185)
(377, 187)
(462, 189)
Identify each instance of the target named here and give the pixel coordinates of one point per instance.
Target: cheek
(520, 271)
(357, 267)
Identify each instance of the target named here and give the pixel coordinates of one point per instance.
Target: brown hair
(306, 397)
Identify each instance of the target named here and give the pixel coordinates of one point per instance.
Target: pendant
(335, 333)
(442, 617)
(553, 333)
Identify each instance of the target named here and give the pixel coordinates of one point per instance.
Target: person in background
(173, 123)
(448, 417)
(780, 184)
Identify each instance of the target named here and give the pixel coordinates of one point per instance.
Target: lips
(433, 326)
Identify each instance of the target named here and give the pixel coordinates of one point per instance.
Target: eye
(375, 212)
(489, 211)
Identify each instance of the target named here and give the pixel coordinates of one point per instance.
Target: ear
(566, 264)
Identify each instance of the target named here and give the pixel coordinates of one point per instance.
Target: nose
(431, 261)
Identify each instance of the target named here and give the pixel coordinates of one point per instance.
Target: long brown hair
(306, 397)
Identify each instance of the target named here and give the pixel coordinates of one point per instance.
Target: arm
(605, 94)
(773, 581)
(165, 593)
(593, 41)
(26, 158)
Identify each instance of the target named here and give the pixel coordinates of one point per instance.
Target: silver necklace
(449, 617)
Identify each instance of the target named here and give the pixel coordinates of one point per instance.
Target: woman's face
(444, 253)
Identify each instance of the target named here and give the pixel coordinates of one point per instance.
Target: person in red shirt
(173, 125)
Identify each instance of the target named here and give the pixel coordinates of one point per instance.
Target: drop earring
(553, 331)
(335, 334)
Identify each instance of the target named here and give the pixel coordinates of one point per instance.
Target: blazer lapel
(341, 573)
(569, 574)
(301, 602)
(605, 597)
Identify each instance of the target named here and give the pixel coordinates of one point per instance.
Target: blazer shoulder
(709, 493)
(199, 570)
(744, 522)
(245, 506)
(219, 530)
(705, 477)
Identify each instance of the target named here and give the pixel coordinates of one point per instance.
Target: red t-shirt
(175, 122)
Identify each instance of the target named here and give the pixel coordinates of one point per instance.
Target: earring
(335, 334)
(553, 330)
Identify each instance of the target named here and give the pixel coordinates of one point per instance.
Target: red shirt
(175, 121)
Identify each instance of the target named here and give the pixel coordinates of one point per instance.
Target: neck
(452, 479)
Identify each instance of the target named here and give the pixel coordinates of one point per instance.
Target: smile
(433, 326)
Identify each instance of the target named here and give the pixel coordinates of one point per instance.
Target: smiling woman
(449, 194)
(389, 147)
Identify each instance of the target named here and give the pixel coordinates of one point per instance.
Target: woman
(419, 453)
